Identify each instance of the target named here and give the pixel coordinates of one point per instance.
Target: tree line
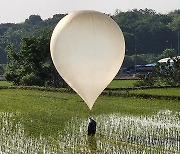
(149, 32)
(145, 31)
(29, 60)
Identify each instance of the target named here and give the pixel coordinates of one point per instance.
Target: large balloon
(87, 49)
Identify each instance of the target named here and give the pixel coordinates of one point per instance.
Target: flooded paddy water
(116, 133)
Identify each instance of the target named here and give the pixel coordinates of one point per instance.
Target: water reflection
(115, 134)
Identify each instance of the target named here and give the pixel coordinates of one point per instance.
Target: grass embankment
(113, 84)
(123, 123)
(48, 112)
(160, 91)
(121, 83)
(5, 84)
(123, 88)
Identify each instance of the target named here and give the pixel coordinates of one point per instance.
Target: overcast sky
(19, 10)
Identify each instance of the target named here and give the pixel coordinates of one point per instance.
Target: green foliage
(169, 72)
(32, 64)
(175, 24)
(169, 53)
(141, 59)
(121, 83)
(11, 33)
(145, 80)
(145, 30)
(33, 19)
(31, 79)
(163, 74)
(47, 112)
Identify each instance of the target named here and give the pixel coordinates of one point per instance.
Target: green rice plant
(34, 121)
(116, 133)
(45, 112)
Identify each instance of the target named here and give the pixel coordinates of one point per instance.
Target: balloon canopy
(87, 49)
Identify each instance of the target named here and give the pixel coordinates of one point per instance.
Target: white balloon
(87, 49)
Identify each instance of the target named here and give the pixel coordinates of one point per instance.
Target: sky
(15, 11)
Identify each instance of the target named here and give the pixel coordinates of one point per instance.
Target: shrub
(31, 79)
(146, 80)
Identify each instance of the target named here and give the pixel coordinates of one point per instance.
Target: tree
(147, 28)
(144, 30)
(32, 64)
(163, 74)
(169, 72)
(169, 53)
(33, 19)
(175, 24)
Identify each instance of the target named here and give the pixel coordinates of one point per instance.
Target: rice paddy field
(122, 83)
(34, 121)
(161, 92)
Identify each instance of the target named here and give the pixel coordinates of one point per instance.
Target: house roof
(164, 60)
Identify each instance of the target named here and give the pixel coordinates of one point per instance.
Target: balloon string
(90, 114)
